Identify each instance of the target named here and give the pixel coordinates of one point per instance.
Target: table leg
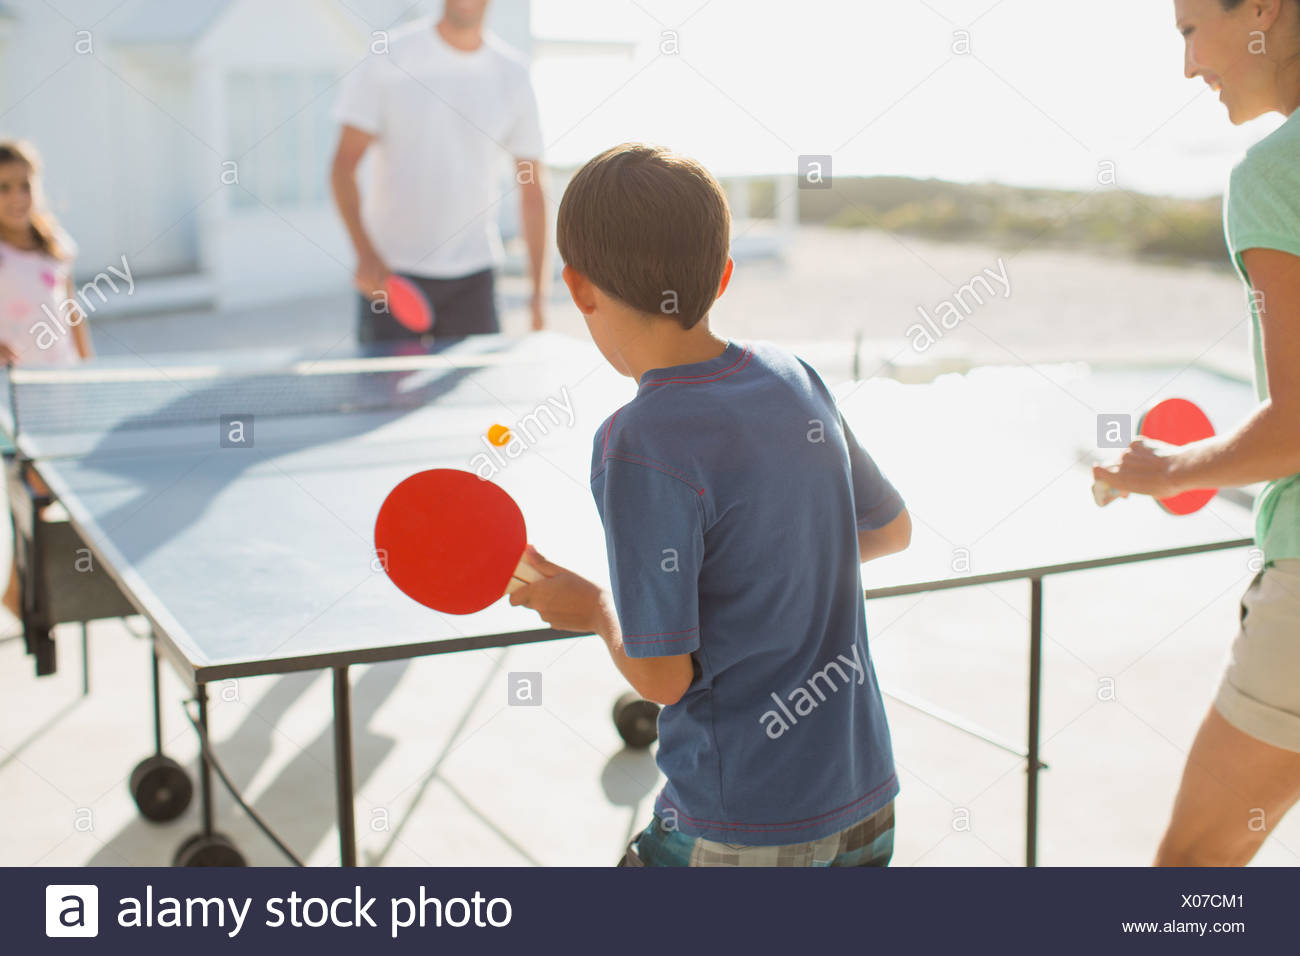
(205, 770)
(1035, 695)
(157, 698)
(343, 774)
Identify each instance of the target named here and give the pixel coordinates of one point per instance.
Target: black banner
(630, 911)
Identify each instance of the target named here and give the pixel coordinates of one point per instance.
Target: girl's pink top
(35, 317)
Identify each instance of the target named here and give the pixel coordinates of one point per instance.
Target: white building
(145, 110)
(145, 117)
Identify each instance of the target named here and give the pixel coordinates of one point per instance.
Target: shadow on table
(359, 402)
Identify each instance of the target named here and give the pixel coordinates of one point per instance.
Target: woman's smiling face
(1229, 50)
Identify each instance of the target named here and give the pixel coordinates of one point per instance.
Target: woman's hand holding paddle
(1146, 467)
(1152, 463)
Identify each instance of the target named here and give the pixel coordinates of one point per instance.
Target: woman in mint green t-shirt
(1243, 773)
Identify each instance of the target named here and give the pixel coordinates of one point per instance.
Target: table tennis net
(72, 400)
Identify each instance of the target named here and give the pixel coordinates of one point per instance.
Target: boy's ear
(726, 276)
(581, 289)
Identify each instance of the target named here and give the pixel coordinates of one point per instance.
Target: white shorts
(1260, 692)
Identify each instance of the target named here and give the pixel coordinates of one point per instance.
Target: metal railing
(1035, 576)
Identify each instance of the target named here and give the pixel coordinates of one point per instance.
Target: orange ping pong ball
(498, 435)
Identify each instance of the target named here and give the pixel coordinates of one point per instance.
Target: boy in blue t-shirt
(737, 508)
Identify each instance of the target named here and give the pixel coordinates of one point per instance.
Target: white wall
(267, 248)
(6, 34)
(145, 163)
(512, 21)
(81, 115)
(133, 137)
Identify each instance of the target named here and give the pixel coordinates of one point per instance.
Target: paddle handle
(523, 574)
(1103, 493)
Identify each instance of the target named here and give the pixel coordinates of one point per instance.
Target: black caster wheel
(204, 849)
(161, 788)
(637, 720)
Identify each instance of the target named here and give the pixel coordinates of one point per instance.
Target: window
(281, 136)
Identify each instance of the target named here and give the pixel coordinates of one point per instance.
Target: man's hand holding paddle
(565, 600)
(371, 275)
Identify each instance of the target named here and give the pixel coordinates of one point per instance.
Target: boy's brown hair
(650, 228)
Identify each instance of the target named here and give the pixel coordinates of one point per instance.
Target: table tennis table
(231, 497)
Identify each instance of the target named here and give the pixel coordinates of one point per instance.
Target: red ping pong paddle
(408, 305)
(1175, 421)
(452, 541)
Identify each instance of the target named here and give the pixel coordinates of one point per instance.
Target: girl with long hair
(39, 321)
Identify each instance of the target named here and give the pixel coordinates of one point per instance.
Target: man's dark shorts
(464, 306)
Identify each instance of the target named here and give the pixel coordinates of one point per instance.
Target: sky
(1048, 92)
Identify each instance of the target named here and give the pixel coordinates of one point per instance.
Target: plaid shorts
(868, 842)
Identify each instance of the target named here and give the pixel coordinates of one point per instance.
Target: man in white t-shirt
(441, 108)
